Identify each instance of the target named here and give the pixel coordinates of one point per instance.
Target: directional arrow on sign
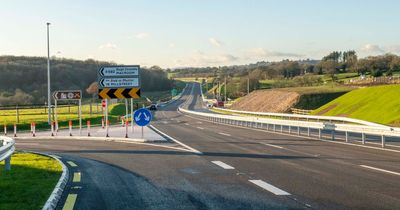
(115, 71)
(119, 93)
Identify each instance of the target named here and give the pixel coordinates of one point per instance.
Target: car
(153, 107)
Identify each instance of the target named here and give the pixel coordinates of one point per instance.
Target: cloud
(142, 35)
(108, 46)
(371, 48)
(263, 53)
(171, 45)
(215, 42)
(199, 58)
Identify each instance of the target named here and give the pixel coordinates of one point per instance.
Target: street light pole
(48, 76)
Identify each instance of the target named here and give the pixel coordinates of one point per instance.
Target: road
(238, 168)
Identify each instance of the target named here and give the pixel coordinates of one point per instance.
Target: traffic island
(30, 181)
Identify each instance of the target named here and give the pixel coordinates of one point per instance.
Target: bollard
(33, 129)
(70, 127)
(88, 128)
(363, 138)
(126, 128)
(52, 128)
(56, 130)
(346, 136)
(308, 131)
(102, 123)
(319, 133)
(15, 129)
(383, 141)
(107, 125)
(5, 129)
(298, 130)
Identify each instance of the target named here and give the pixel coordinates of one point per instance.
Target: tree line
(23, 80)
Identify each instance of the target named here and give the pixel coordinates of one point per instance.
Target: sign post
(142, 117)
(68, 95)
(119, 82)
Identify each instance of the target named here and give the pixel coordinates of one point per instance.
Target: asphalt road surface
(238, 168)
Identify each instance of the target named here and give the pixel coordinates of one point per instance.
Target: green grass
(378, 104)
(30, 181)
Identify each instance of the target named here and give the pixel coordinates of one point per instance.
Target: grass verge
(30, 181)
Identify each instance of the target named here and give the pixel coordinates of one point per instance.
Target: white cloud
(371, 48)
(199, 58)
(263, 53)
(142, 35)
(171, 45)
(108, 46)
(215, 42)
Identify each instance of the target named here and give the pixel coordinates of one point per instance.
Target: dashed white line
(381, 170)
(269, 187)
(224, 134)
(201, 128)
(222, 164)
(271, 145)
(72, 164)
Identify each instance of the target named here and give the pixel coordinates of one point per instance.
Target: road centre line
(224, 134)
(222, 164)
(72, 164)
(269, 187)
(77, 177)
(381, 170)
(70, 202)
(271, 145)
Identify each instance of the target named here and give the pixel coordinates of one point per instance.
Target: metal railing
(7, 148)
(297, 125)
(306, 117)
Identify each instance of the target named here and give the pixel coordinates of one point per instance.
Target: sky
(196, 33)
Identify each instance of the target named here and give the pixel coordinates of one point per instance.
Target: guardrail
(307, 117)
(279, 124)
(7, 148)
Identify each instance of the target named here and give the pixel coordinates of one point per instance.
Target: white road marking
(271, 145)
(200, 128)
(222, 164)
(199, 122)
(72, 164)
(186, 123)
(225, 134)
(382, 170)
(269, 187)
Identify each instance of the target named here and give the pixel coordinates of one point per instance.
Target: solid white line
(269, 187)
(180, 143)
(382, 170)
(200, 128)
(225, 134)
(222, 164)
(271, 145)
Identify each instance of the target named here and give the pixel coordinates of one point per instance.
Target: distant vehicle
(153, 107)
(218, 104)
(209, 105)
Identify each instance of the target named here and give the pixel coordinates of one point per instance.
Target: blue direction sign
(142, 117)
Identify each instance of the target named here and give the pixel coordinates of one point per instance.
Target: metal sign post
(68, 95)
(106, 113)
(132, 115)
(142, 118)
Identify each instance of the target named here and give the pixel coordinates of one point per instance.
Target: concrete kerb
(89, 138)
(56, 194)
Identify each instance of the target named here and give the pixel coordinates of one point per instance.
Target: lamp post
(48, 76)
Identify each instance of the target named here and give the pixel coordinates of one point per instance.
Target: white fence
(7, 148)
(277, 124)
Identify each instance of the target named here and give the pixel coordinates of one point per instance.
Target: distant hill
(23, 80)
(378, 104)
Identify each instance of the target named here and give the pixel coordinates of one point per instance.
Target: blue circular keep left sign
(142, 117)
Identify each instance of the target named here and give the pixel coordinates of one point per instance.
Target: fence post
(383, 141)
(363, 138)
(319, 133)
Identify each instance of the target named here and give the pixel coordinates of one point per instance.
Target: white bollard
(5, 129)
(70, 127)
(33, 129)
(15, 129)
(102, 123)
(88, 128)
(52, 128)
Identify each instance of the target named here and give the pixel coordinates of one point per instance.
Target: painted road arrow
(115, 71)
(119, 93)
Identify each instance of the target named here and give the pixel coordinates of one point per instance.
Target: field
(30, 181)
(378, 104)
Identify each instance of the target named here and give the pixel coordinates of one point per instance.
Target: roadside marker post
(68, 95)
(126, 128)
(102, 122)
(15, 129)
(33, 129)
(52, 128)
(70, 127)
(5, 129)
(88, 128)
